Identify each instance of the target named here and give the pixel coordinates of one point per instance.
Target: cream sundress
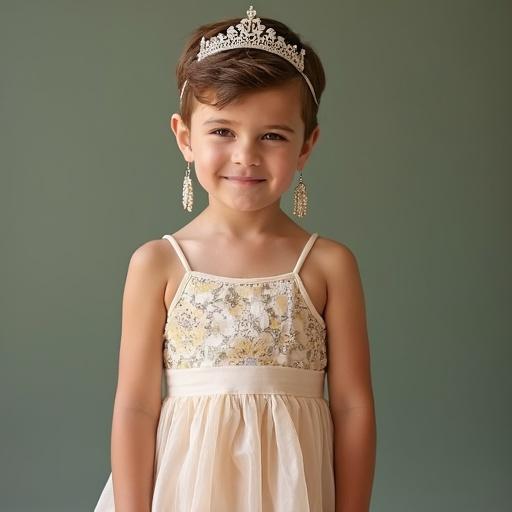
(244, 426)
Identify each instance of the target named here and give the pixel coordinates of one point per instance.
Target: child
(230, 307)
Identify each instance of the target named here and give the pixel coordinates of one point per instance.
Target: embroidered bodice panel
(216, 321)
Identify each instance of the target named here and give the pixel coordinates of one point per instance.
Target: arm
(138, 395)
(349, 383)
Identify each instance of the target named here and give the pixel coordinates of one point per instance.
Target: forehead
(271, 105)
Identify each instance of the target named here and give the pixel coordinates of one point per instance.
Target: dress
(244, 426)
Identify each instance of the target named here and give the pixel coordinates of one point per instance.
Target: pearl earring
(300, 198)
(188, 193)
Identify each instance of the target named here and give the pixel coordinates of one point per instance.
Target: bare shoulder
(153, 254)
(154, 259)
(145, 284)
(337, 261)
(159, 265)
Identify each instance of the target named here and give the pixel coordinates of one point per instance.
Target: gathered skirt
(242, 439)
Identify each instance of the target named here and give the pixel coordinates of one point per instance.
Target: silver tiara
(250, 35)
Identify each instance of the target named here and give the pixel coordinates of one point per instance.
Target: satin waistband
(237, 379)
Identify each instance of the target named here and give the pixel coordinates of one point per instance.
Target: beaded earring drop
(300, 198)
(188, 193)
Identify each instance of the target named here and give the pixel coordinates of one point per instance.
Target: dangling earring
(300, 198)
(188, 193)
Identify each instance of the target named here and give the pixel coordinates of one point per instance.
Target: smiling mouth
(240, 179)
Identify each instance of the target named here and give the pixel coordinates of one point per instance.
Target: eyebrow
(283, 127)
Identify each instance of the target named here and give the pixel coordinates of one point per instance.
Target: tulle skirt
(242, 439)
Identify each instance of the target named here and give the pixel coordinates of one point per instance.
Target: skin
(238, 226)
(244, 147)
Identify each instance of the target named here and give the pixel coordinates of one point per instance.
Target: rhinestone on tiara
(250, 34)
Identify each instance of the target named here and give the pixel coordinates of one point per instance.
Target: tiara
(250, 34)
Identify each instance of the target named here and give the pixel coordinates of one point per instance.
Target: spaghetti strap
(296, 270)
(179, 251)
(305, 252)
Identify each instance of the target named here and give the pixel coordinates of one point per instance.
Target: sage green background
(412, 172)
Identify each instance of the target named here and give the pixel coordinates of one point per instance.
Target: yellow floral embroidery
(267, 322)
(281, 304)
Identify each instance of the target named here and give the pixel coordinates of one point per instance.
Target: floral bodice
(217, 321)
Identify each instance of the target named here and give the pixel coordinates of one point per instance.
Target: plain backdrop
(412, 172)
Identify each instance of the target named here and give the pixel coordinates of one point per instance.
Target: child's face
(244, 143)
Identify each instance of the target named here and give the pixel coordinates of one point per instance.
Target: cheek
(210, 157)
(287, 179)
(283, 164)
(285, 156)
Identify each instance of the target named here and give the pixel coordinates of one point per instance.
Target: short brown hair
(231, 74)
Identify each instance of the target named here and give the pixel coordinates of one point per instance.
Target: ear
(307, 147)
(182, 134)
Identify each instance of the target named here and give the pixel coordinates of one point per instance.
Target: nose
(245, 153)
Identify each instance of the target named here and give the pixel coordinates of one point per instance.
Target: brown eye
(220, 130)
(276, 134)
